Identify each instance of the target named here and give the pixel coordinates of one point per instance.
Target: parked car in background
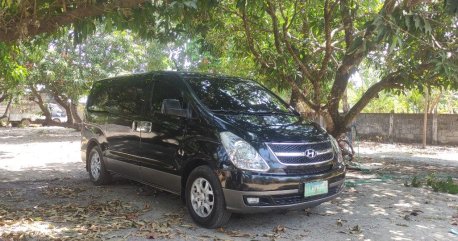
(224, 144)
(57, 114)
(24, 111)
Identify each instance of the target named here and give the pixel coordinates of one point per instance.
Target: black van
(225, 144)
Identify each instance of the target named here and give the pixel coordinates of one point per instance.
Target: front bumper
(290, 199)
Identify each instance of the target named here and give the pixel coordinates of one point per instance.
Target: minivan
(224, 144)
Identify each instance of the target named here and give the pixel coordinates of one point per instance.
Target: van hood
(272, 128)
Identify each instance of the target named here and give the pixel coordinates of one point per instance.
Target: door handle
(142, 126)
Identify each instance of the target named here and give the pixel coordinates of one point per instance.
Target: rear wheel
(96, 167)
(205, 199)
(56, 120)
(25, 123)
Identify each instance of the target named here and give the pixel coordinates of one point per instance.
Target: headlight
(242, 154)
(336, 147)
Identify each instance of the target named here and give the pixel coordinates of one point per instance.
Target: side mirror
(173, 107)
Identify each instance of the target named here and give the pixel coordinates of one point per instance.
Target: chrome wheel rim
(202, 197)
(96, 165)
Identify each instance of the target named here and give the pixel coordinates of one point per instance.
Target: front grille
(299, 198)
(299, 147)
(296, 153)
(308, 170)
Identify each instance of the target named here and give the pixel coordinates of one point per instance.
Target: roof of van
(176, 73)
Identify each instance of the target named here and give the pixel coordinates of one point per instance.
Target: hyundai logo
(310, 153)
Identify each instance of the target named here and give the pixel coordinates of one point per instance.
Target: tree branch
(328, 48)
(3, 96)
(304, 69)
(14, 30)
(390, 80)
(271, 10)
(250, 41)
(347, 22)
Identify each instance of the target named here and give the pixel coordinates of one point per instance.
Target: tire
(203, 187)
(96, 167)
(56, 120)
(25, 122)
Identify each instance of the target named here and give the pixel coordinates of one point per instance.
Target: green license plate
(315, 188)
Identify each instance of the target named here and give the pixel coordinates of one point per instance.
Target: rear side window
(165, 89)
(98, 99)
(120, 96)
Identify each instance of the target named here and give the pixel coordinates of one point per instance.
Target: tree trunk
(5, 114)
(434, 102)
(345, 105)
(76, 116)
(42, 106)
(296, 101)
(66, 106)
(425, 117)
(3, 97)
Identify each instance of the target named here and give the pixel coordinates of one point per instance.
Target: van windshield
(236, 96)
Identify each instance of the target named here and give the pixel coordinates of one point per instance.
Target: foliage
(314, 47)
(407, 101)
(67, 72)
(11, 72)
(310, 48)
(415, 182)
(442, 185)
(150, 19)
(445, 185)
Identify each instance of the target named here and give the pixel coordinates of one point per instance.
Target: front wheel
(96, 167)
(205, 199)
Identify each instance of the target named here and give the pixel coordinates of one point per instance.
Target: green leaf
(417, 21)
(407, 21)
(394, 41)
(427, 27)
(190, 4)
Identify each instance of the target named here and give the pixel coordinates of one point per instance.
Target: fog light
(252, 200)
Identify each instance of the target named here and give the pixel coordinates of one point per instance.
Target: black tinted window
(231, 94)
(165, 89)
(98, 99)
(121, 96)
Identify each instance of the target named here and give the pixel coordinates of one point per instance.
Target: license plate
(315, 188)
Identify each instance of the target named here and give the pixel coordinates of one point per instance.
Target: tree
(66, 71)
(11, 72)
(21, 19)
(314, 47)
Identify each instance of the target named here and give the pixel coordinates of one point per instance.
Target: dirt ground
(45, 194)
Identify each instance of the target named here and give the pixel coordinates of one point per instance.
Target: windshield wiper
(272, 113)
(260, 113)
(230, 112)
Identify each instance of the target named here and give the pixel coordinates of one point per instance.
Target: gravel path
(45, 194)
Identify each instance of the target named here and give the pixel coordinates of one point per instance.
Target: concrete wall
(407, 127)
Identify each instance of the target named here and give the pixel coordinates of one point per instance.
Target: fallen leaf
(237, 234)
(356, 230)
(339, 222)
(402, 225)
(415, 212)
(278, 229)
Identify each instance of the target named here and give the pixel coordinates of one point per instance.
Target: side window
(119, 96)
(99, 98)
(164, 89)
(126, 97)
